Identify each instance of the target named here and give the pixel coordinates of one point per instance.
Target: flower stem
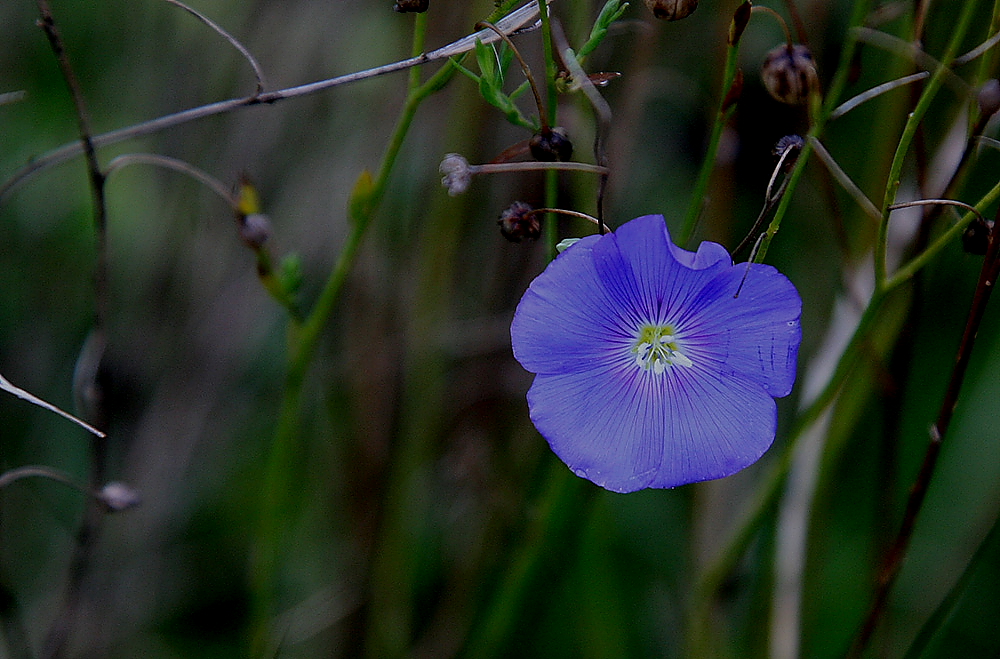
(910, 131)
(277, 501)
(551, 230)
(699, 632)
(700, 629)
(727, 106)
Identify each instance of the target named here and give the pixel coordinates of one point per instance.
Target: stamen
(656, 349)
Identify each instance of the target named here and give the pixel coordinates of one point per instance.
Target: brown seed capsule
(418, 6)
(789, 74)
(672, 10)
(988, 97)
(551, 146)
(518, 223)
(976, 237)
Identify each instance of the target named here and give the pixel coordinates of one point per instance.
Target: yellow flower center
(656, 348)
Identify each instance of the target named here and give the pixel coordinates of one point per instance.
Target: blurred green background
(415, 368)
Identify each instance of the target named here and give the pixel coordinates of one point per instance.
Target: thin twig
(977, 51)
(543, 115)
(919, 57)
(874, 92)
(177, 165)
(601, 109)
(513, 22)
(845, 181)
(6, 385)
(87, 145)
(569, 213)
(771, 198)
(938, 202)
(258, 72)
(62, 626)
(13, 475)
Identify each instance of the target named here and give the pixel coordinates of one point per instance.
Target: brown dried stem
(894, 557)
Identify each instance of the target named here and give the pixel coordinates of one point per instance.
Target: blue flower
(650, 370)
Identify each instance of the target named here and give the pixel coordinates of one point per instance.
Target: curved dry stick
(875, 91)
(523, 18)
(176, 165)
(893, 44)
(543, 115)
(257, 71)
(8, 477)
(601, 109)
(977, 51)
(6, 385)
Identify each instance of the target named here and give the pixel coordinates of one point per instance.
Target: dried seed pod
(976, 237)
(672, 10)
(518, 222)
(988, 97)
(551, 146)
(418, 6)
(789, 74)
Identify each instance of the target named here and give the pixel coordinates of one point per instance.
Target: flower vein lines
(650, 371)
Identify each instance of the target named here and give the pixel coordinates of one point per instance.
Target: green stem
(727, 106)
(700, 630)
(277, 501)
(906, 272)
(910, 131)
(552, 94)
(833, 94)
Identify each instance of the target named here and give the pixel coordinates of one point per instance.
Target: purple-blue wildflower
(650, 370)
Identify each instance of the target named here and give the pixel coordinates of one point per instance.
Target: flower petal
(628, 433)
(567, 319)
(702, 412)
(755, 335)
(643, 266)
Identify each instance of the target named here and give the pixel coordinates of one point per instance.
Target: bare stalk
(523, 18)
(258, 72)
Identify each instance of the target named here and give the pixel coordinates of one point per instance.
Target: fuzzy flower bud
(255, 230)
(789, 74)
(518, 223)
(457, 174)
(672, 10)
(117, 497)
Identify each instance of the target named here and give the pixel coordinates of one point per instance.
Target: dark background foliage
(415, 368)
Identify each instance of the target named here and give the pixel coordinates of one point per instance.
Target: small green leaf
(611, 12)
(566, 243)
